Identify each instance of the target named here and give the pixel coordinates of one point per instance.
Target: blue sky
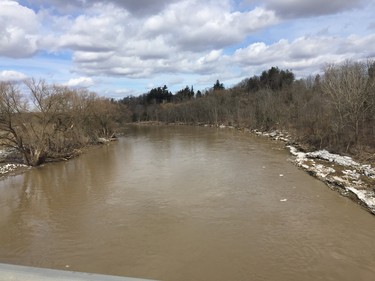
(119, 48)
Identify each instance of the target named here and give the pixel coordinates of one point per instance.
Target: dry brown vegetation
(334, 110)
(45, 121)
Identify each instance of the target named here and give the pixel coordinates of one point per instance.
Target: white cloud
(212, 26)
(107, 40)
(170, 40)
(81, 82)
(304, 55)
(18, 30)
(212, 56)
(11, 75)
(100, 29)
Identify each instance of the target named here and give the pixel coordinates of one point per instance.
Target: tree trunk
(35, 157)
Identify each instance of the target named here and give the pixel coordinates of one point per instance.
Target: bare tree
(11, 111)
(350, 91)
(52, 121)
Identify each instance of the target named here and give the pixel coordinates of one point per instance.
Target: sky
(119, 48)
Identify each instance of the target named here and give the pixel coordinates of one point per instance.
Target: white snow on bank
(351, 174)
(300, 157)
(335, 158)
(350, 179)
(346, 161)
(348, 176)
(323, 171)
(365, 196)
(7, 168)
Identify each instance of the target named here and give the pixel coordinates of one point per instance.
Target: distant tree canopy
(218, 86)
(334, 110)
(159, 95)
(184, 94)
(274, 79)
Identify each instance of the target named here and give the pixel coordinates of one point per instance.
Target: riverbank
(11, 159)
(9, 165)
(342, 174)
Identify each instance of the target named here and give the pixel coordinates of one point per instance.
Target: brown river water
(185, 203)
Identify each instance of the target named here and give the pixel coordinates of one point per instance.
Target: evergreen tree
(218, 86)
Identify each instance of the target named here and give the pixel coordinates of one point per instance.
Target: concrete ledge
(10, 272)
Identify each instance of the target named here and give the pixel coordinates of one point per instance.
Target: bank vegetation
(49, 122)
(334, 110)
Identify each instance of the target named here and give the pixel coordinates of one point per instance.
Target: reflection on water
(185, 203)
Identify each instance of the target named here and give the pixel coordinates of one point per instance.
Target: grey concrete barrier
(9, 272)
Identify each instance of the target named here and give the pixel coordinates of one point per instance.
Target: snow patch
(7, 168)
(347, 176)
(365, 196)
(338, 159)
(323, 171)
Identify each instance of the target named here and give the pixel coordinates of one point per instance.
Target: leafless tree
(350, 90)
(51, 121)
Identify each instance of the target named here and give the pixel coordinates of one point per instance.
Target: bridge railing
(9, 272)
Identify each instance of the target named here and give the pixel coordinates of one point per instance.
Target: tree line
(334, 110)
(43, 121)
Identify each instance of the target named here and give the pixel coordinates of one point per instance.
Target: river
(185, 203)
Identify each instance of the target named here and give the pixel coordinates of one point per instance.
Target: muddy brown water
(185, 203)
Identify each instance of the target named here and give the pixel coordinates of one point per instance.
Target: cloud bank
(189, 41)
